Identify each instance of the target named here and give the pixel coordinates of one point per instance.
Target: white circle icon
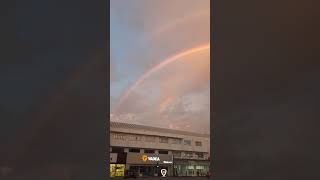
(163, 172)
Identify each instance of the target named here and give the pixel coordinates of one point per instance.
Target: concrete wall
(168, 146)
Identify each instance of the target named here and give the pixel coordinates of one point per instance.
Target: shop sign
(137, 158)
(150, 158)
(167, 162)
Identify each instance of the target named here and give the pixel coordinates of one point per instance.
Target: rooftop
(155, 129)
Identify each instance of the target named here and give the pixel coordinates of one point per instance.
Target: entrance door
(147, 170)
(134, 170)
(143, 170)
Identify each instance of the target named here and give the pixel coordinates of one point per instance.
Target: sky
(145, 33)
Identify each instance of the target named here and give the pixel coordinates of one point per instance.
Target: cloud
(191, 112)
(170, 37)
(176, 96)
(161, 34)
(127, 118)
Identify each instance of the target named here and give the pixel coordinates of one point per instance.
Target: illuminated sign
(150, 158)
(135, 158)
(153, 158)
(144, 158)
(163, 172)
(167, 162)
(117, 170)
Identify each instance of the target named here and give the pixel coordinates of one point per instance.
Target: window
(163, 152)
(200, 155)
(135, 138)
(199, 167)
(150, 139)
(138, 138)
(134, 150)
(190, 167)
(176, 154)
(175, 141)
(187, 142)
(188, 154)
(163, 140)
(117, 150)
(151, 151)
(198, 143)
(131, 138)
(118, 136)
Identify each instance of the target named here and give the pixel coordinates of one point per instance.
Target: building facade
(149, 149)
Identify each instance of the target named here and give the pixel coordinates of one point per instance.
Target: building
(149, 149)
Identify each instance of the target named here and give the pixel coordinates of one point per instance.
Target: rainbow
(175, 23)
(158, 67)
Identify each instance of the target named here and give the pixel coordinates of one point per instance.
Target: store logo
(145, 158)
(153, 158)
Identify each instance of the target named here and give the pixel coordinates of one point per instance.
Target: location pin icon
(163, 172)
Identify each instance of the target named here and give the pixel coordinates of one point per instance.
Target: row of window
(153, 139)
(188, 154)
(152, 151)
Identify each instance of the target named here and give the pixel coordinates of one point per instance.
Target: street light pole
(157, 169)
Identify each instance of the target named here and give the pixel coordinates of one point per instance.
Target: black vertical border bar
(93, 167)
(107, 121)
(215, 10)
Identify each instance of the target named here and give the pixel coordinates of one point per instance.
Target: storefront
(117, 164)
(149, 164)
(191, 167)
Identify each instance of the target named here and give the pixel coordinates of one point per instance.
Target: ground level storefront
(150, 165)
(144, 164)
(149, 170)
(191, 167)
